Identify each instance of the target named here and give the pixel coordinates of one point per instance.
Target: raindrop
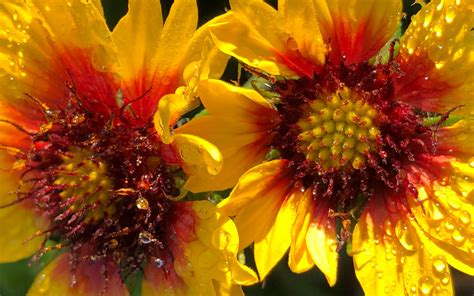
(159, 263)
(426, 285)
(142, 203)
(145, 237)
(439, 264)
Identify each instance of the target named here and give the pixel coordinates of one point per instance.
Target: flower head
(84, 170)
(358, 152)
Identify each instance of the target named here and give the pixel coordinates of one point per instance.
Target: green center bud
(338, 131)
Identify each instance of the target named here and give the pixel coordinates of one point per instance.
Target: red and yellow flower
(82, 167)
(351, 157)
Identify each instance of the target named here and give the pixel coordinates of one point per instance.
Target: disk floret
(338, 130)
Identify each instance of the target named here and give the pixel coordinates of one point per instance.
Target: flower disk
(338, 131)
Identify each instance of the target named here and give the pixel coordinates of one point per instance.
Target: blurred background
(15, 278)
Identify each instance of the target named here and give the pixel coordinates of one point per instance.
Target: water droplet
(379, 274)
(426, 285)
(145, 237)
(159, 263)
(464, 217)
(439, 264)
(142, 203)
(405, 238)
(458, 235)
(221, 239)
(446, 278)
(78, 118)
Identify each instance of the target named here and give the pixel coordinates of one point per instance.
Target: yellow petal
(356, 30)
(426, 272)
(238, 126)
(457, 138)
(56, 279)
(239, 101)
(50, 43)
(322, 243)
(445, 213)
(265, 44)
(137, 32)
(18, 222)
(201, 48)
(171, 107)
(299, 259)
(301, 23)
(375, 249)
(199, 156)
(177, 32)
(203, 258)
(271, 248)
(252, 185)
(436, 55)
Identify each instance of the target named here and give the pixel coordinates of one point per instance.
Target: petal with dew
(252, 184)
(199, 157)
(136, 32)
(356, 30)
(18, 222)
(445, 213)
(44, 50)
(457, 139)
(178, 30)
(265, 46)
(301, 23)
(204, 255)
(322, 243)
(239, 126)
(271, 248)
(437, 57)
(299, 259)
(57, 279)
(373, 247)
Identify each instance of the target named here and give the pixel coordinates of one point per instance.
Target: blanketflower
(357, 151)
(82, 167)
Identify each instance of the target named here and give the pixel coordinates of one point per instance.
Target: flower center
(338, 131)
(104, 182)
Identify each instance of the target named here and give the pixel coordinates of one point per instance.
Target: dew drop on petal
(159, 263)
(446, 278)
(439, 264)
(142, 203)
(426, 285)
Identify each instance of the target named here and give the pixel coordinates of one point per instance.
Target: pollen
(338, 131)
(85, 184)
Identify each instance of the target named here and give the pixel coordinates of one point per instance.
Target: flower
(83, 169)
(377, 156)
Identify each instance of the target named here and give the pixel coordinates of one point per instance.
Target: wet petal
(18, 222)
(374, 249)
(199, 156)
(44, 50)
(301, 23)
(271, 248)
(204, 255)
(265, 44)
(57, 279)
(238, 126)
(436, 57)
(356, 30)
(322, 243)
(445, 213)
(299, 259)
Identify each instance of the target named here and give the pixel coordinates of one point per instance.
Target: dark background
(15, 278)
